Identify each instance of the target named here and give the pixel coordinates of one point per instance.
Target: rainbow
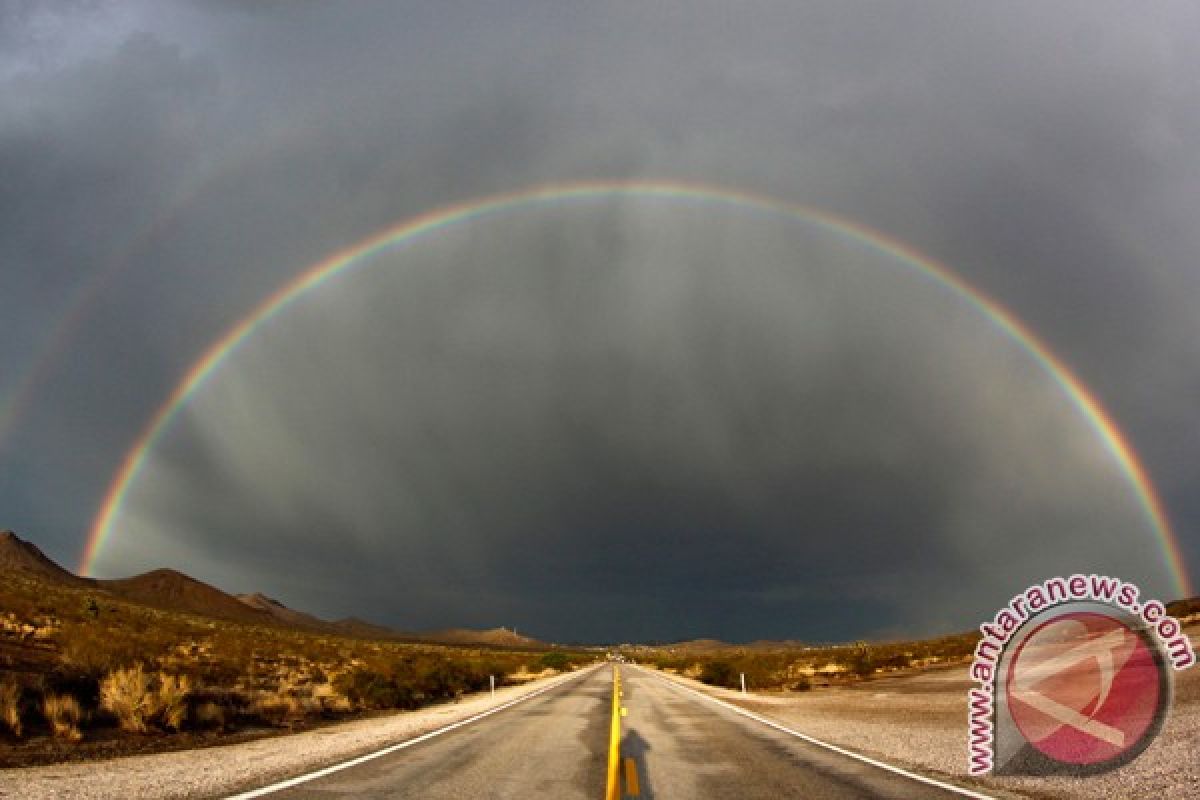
(1084, 400)
(56, 344)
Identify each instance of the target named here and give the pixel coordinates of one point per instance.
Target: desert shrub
(330, 699)
(209, 715)
(558, 661)
(896, 661)
(801, 684)
(93, 649)
(220, 674)
(272, 708)
(763, 670)
(127, 694)
(63, 713)
(862, 662)
(492, 667)
(370, 689)
(435, 677)
(673, 663)
(412, 680)
(171, 699)
(720, 673)
(10, 706)
(283, 706)
(235, 704)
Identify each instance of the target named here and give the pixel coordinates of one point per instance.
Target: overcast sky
(616, 418)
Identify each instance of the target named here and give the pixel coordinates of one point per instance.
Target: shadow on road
(635, 747)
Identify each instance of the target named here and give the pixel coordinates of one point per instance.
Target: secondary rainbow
(1087, 403)
(47, 356)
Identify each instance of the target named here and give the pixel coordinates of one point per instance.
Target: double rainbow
(430, 223)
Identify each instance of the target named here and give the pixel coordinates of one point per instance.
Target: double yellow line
(612, 790)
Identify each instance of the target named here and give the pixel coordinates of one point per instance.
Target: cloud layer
(630, 417)
(663, 381)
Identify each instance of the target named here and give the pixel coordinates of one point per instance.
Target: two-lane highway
(556, 745)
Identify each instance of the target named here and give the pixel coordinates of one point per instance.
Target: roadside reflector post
(743, 682)
(492, 683)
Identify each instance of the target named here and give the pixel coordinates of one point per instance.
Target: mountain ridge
(16, 554)
(169, 589)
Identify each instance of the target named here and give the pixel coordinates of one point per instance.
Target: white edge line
(354, 762)
(841, 750)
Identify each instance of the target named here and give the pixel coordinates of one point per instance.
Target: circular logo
(1087, 690)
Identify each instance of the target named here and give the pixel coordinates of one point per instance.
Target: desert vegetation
(139, 700)
(798, 667)
(84, 668)
(10, 707)
(63, 713)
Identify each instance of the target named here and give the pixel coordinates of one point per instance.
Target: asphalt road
(556, 746)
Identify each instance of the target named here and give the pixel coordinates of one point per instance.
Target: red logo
(1084, 688)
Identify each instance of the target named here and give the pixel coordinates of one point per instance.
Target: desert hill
(174, 591)
(18, 555)
(698, 645)
(171, 590)
(501, 637)
(353, 626)
(282, 613)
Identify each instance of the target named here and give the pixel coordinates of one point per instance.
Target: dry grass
(63, 713)
(798, 667)
(330, 699)
(10, 706)
(279, 708)
(126, 693)
(171, 700)
(239, 674)
(92, 649)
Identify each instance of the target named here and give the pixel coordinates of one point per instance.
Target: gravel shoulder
(221, 771)
(919, 721)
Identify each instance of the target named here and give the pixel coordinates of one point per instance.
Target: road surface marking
(354, 762)
(950, 787)
(631, 779)
(612, 786)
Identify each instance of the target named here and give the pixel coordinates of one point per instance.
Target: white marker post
(492, 682)
(743, 682)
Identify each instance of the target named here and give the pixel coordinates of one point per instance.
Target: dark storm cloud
(683, 418)
(203, 154)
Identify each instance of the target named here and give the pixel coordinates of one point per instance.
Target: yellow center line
(613, 788)
(631, 779)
